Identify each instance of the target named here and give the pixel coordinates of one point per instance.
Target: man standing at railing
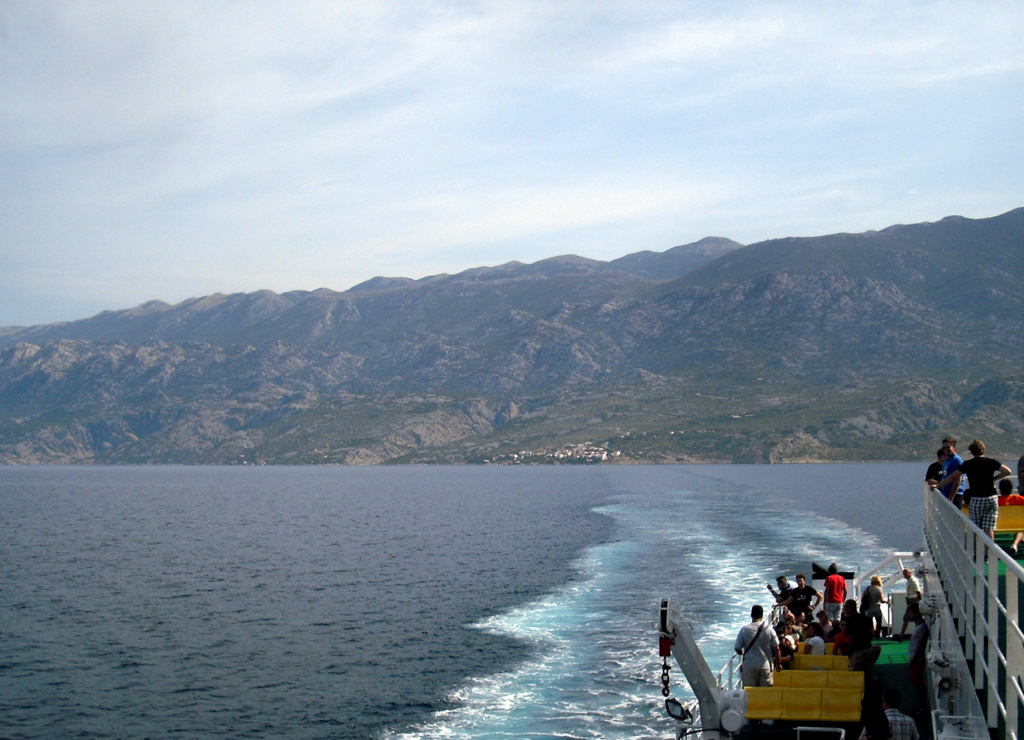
(759, 646)
(784, 589)
(934, 473)
(954, 492)
(800, 599)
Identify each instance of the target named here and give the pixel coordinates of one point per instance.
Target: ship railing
(890, 571)
(728, 678)
(984, 587)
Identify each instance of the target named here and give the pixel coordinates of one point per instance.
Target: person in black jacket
(862, 653)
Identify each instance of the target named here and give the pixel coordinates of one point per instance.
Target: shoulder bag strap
(752, 642)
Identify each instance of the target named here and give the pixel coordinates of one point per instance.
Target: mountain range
(864, 346)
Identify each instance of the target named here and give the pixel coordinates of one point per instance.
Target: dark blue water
(422, 602)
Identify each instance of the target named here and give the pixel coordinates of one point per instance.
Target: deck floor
(893, 670)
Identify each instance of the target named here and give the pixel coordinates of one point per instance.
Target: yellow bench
(846, 680)
(809, 679)
(764, 702)
(801, 704)
(804, 662)
(801, 679)
(1011, 518)
(841, 705)
(804, 704)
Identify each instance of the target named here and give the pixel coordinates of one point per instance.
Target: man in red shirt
(835, 592)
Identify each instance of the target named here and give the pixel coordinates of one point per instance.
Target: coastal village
(583, 452)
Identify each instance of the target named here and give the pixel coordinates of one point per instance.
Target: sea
(399, 602)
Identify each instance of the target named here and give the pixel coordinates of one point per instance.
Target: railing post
(992, 618)
(1014, 652)
(978, 621)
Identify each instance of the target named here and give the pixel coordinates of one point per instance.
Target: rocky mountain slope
(849, 346)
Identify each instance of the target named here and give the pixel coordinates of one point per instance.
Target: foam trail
(595, 672)
(573, 686)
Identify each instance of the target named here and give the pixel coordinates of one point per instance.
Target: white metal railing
(729, 677)
(983, 588)
(890, 571)
(821, 732)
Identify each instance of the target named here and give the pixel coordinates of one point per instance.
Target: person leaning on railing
(982, 473)
(934, 473)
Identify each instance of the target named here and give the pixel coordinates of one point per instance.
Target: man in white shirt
(913, 599)
(759, 646)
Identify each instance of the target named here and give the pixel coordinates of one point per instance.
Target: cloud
(164, 148)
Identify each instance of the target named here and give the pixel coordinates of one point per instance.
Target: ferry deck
(973, 686)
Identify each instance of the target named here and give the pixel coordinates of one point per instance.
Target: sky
(168, 149)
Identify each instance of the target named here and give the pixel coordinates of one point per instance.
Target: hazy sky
(163, 150)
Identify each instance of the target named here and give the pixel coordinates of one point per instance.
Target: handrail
(983, 586)
(888, 581)
(732, 669)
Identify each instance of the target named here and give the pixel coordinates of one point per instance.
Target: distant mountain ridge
(846, 346)
(151, 319)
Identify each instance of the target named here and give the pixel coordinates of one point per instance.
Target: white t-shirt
(817, 645)
(759, 653)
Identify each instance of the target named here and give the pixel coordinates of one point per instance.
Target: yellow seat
(801, 704)
(804, 662)
(846, 680)
(809, 679)
(764, 702)
(1011, 519)
(840, 662)
(841, 705)
(782, 678)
